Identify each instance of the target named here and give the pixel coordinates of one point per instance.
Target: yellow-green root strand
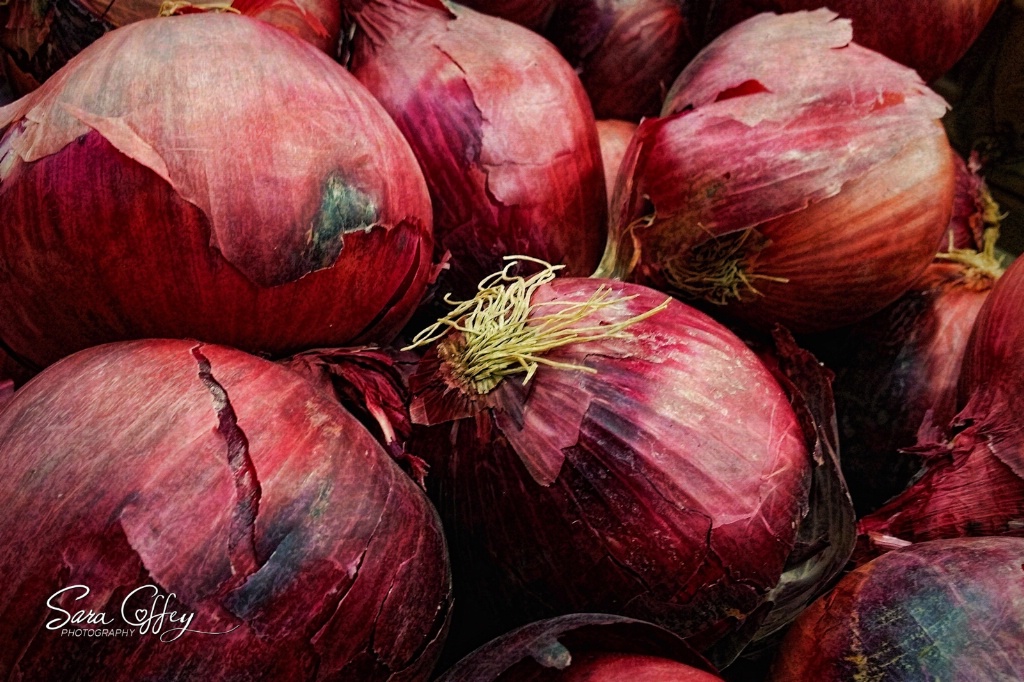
(501, 334)
(718, 270)
(980, 264)
(169, 8)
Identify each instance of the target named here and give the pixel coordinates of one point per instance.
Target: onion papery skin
(926, 35)
(667, 486)
(973, 483)
(614, 136)
(896, 373)
(827, 159)
(943, 610)
(584, 647)
(303, 222)
(37, 38)
(502, 129)
(627, 52)
(232, 483)
(532, 14)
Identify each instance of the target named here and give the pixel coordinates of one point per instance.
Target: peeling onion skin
(614, 136)
(503, 131)
(973, 483)
(38, 38)
(834, 159)
(926, 35)
(584, 647)
(268, 508)
(306, 223)
(634, 490)
(943, 610)
(627, 52)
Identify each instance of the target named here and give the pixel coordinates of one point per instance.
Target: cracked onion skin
(502, 129)
(667, 486)
(272, 219)
(825, 168)
(234, 484)
(941, 610)
(926, 35)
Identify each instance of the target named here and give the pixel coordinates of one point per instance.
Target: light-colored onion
(149, 189)
(236, 486)
(794, 178)
(502, 129)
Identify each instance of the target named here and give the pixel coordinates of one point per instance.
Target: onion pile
(501, 127)
(809, 189)
(272, 219)
(38, 38)
(943, 610)
(627, 52)
(926, 35)
(973, 483)
(650, 465)
(225, 487)
(580, 648)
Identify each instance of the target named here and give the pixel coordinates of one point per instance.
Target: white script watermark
(145, 610)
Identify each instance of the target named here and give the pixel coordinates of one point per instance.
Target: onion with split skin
(272, 219)
(926, 35)
(502, 129)
(231, 483)
(651, 465)
(808, 188)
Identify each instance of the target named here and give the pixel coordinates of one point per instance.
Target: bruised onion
(614, 137)
(580, 648)
(926, 35)
(649, 465)
(39, 37)
(973, 482)
(627, 52)
(795, 177)
(502, 129)
(153, 476)
(942, 610)
(148, 189)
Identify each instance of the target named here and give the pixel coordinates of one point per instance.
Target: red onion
(655, 470)
(897, 371)
(973, 483)
(627, 52)
(795, 177)
(501, 127)
(944, 610)
(926, 35)
(614, 136)
(533, 14)
(584, 647)
(37, 37)
(176, 475)
(201, 206)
